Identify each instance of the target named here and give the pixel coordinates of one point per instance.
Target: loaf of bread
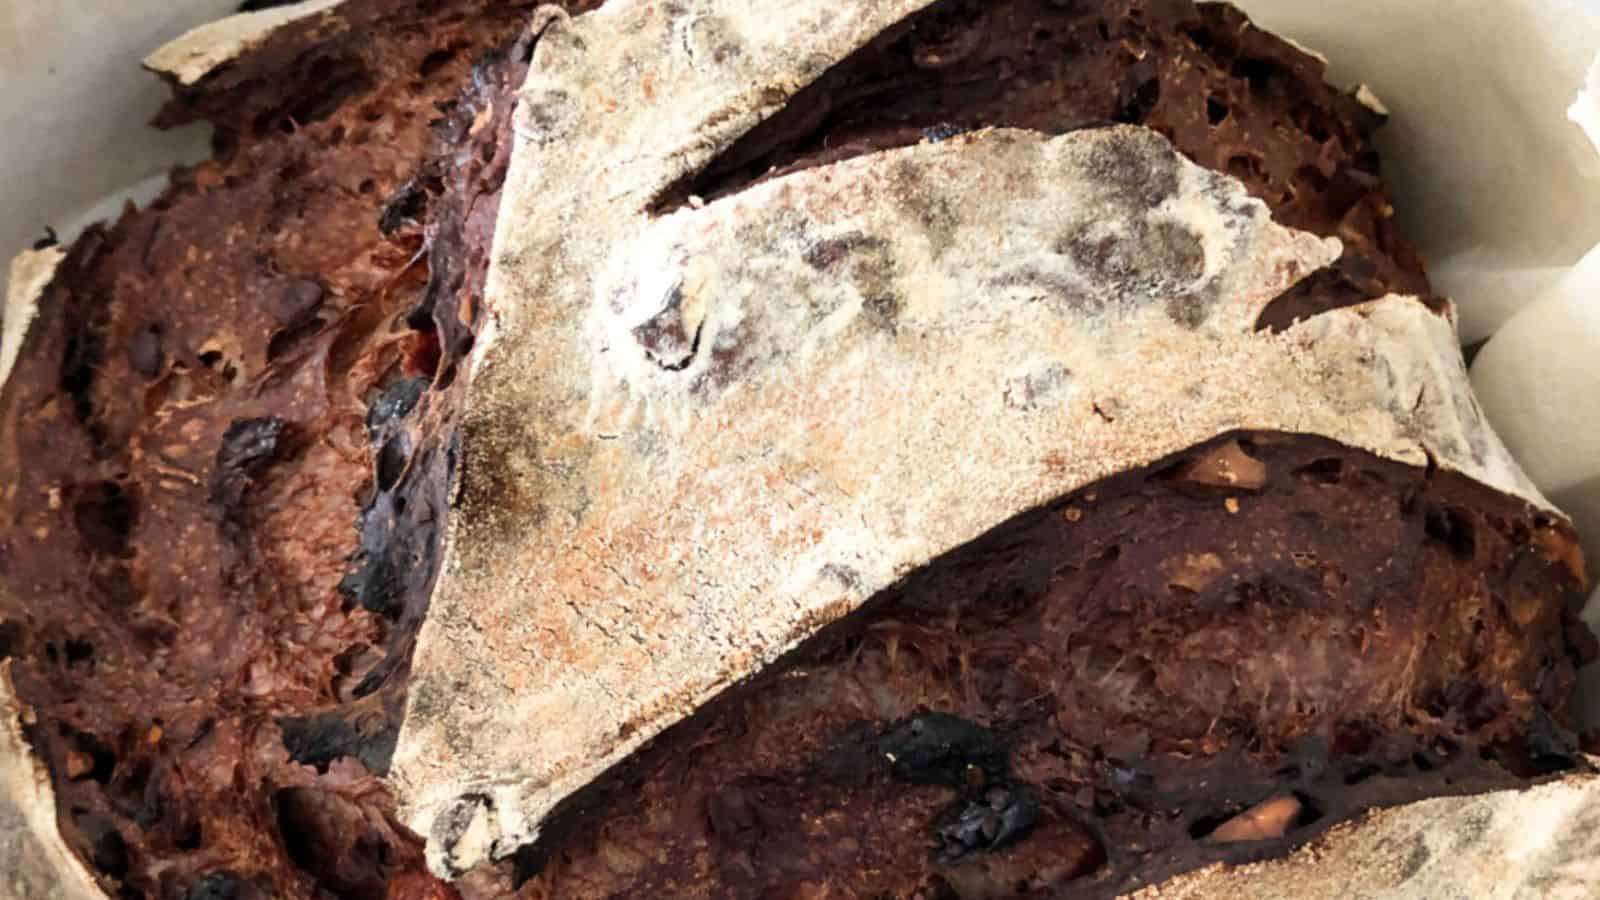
(726, 448)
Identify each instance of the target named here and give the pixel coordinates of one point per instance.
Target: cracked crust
(640, 400)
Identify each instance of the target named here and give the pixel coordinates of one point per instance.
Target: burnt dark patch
(393, 457)
(318, 740)
(1001, 815)
(248, 448)
(406, 206)
(396, 551)
(938, 748)
(395, 402)
(941, 132)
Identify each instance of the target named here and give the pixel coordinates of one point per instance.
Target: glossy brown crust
(233, 425)
(1229, 96)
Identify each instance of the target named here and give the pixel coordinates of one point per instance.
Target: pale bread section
(198, 52)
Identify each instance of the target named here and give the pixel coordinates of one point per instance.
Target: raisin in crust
(1136, 587)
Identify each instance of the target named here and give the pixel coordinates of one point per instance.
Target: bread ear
(30, 274)
(196, 53)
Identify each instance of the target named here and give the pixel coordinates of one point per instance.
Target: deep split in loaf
(249, 413)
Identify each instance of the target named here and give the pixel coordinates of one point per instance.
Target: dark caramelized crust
(234, 424)
(234, 428)
(1093, 690)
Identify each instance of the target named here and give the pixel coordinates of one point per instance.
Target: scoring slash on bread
(744, 449)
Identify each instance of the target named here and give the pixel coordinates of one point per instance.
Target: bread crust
(673, 415)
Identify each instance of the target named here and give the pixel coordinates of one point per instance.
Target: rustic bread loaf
(726, 449)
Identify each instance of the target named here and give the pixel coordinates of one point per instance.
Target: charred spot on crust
(365, 734)
(248, 447)
(1001, 816)
(395, 402)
